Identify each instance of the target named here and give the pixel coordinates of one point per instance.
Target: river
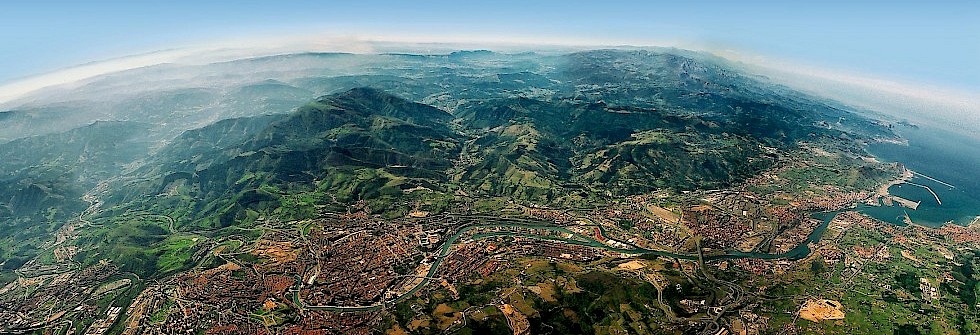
(941, 155)
(799, 252)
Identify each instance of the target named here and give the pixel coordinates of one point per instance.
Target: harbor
(936, 181)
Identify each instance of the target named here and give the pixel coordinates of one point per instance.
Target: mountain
(265, 184)
(43, 179)
(366, 144)
(322, 146)
(538, 128)
(610, 122)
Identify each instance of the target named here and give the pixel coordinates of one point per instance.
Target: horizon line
(15, 91)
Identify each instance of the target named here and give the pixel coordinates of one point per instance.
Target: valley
(596, 192)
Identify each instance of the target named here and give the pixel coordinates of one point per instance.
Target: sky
(935, 43)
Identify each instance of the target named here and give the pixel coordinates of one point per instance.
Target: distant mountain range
(223, 144)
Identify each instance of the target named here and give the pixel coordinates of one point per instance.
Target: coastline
(883, 197)
(937, 160)
(906, 176)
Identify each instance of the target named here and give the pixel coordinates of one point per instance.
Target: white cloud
(68, 76)
(269, 45)
(861, 90)
(942, 106)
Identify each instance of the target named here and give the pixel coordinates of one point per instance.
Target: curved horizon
(922, 45)
(879, 94)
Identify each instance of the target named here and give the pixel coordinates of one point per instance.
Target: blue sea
(940, 154)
